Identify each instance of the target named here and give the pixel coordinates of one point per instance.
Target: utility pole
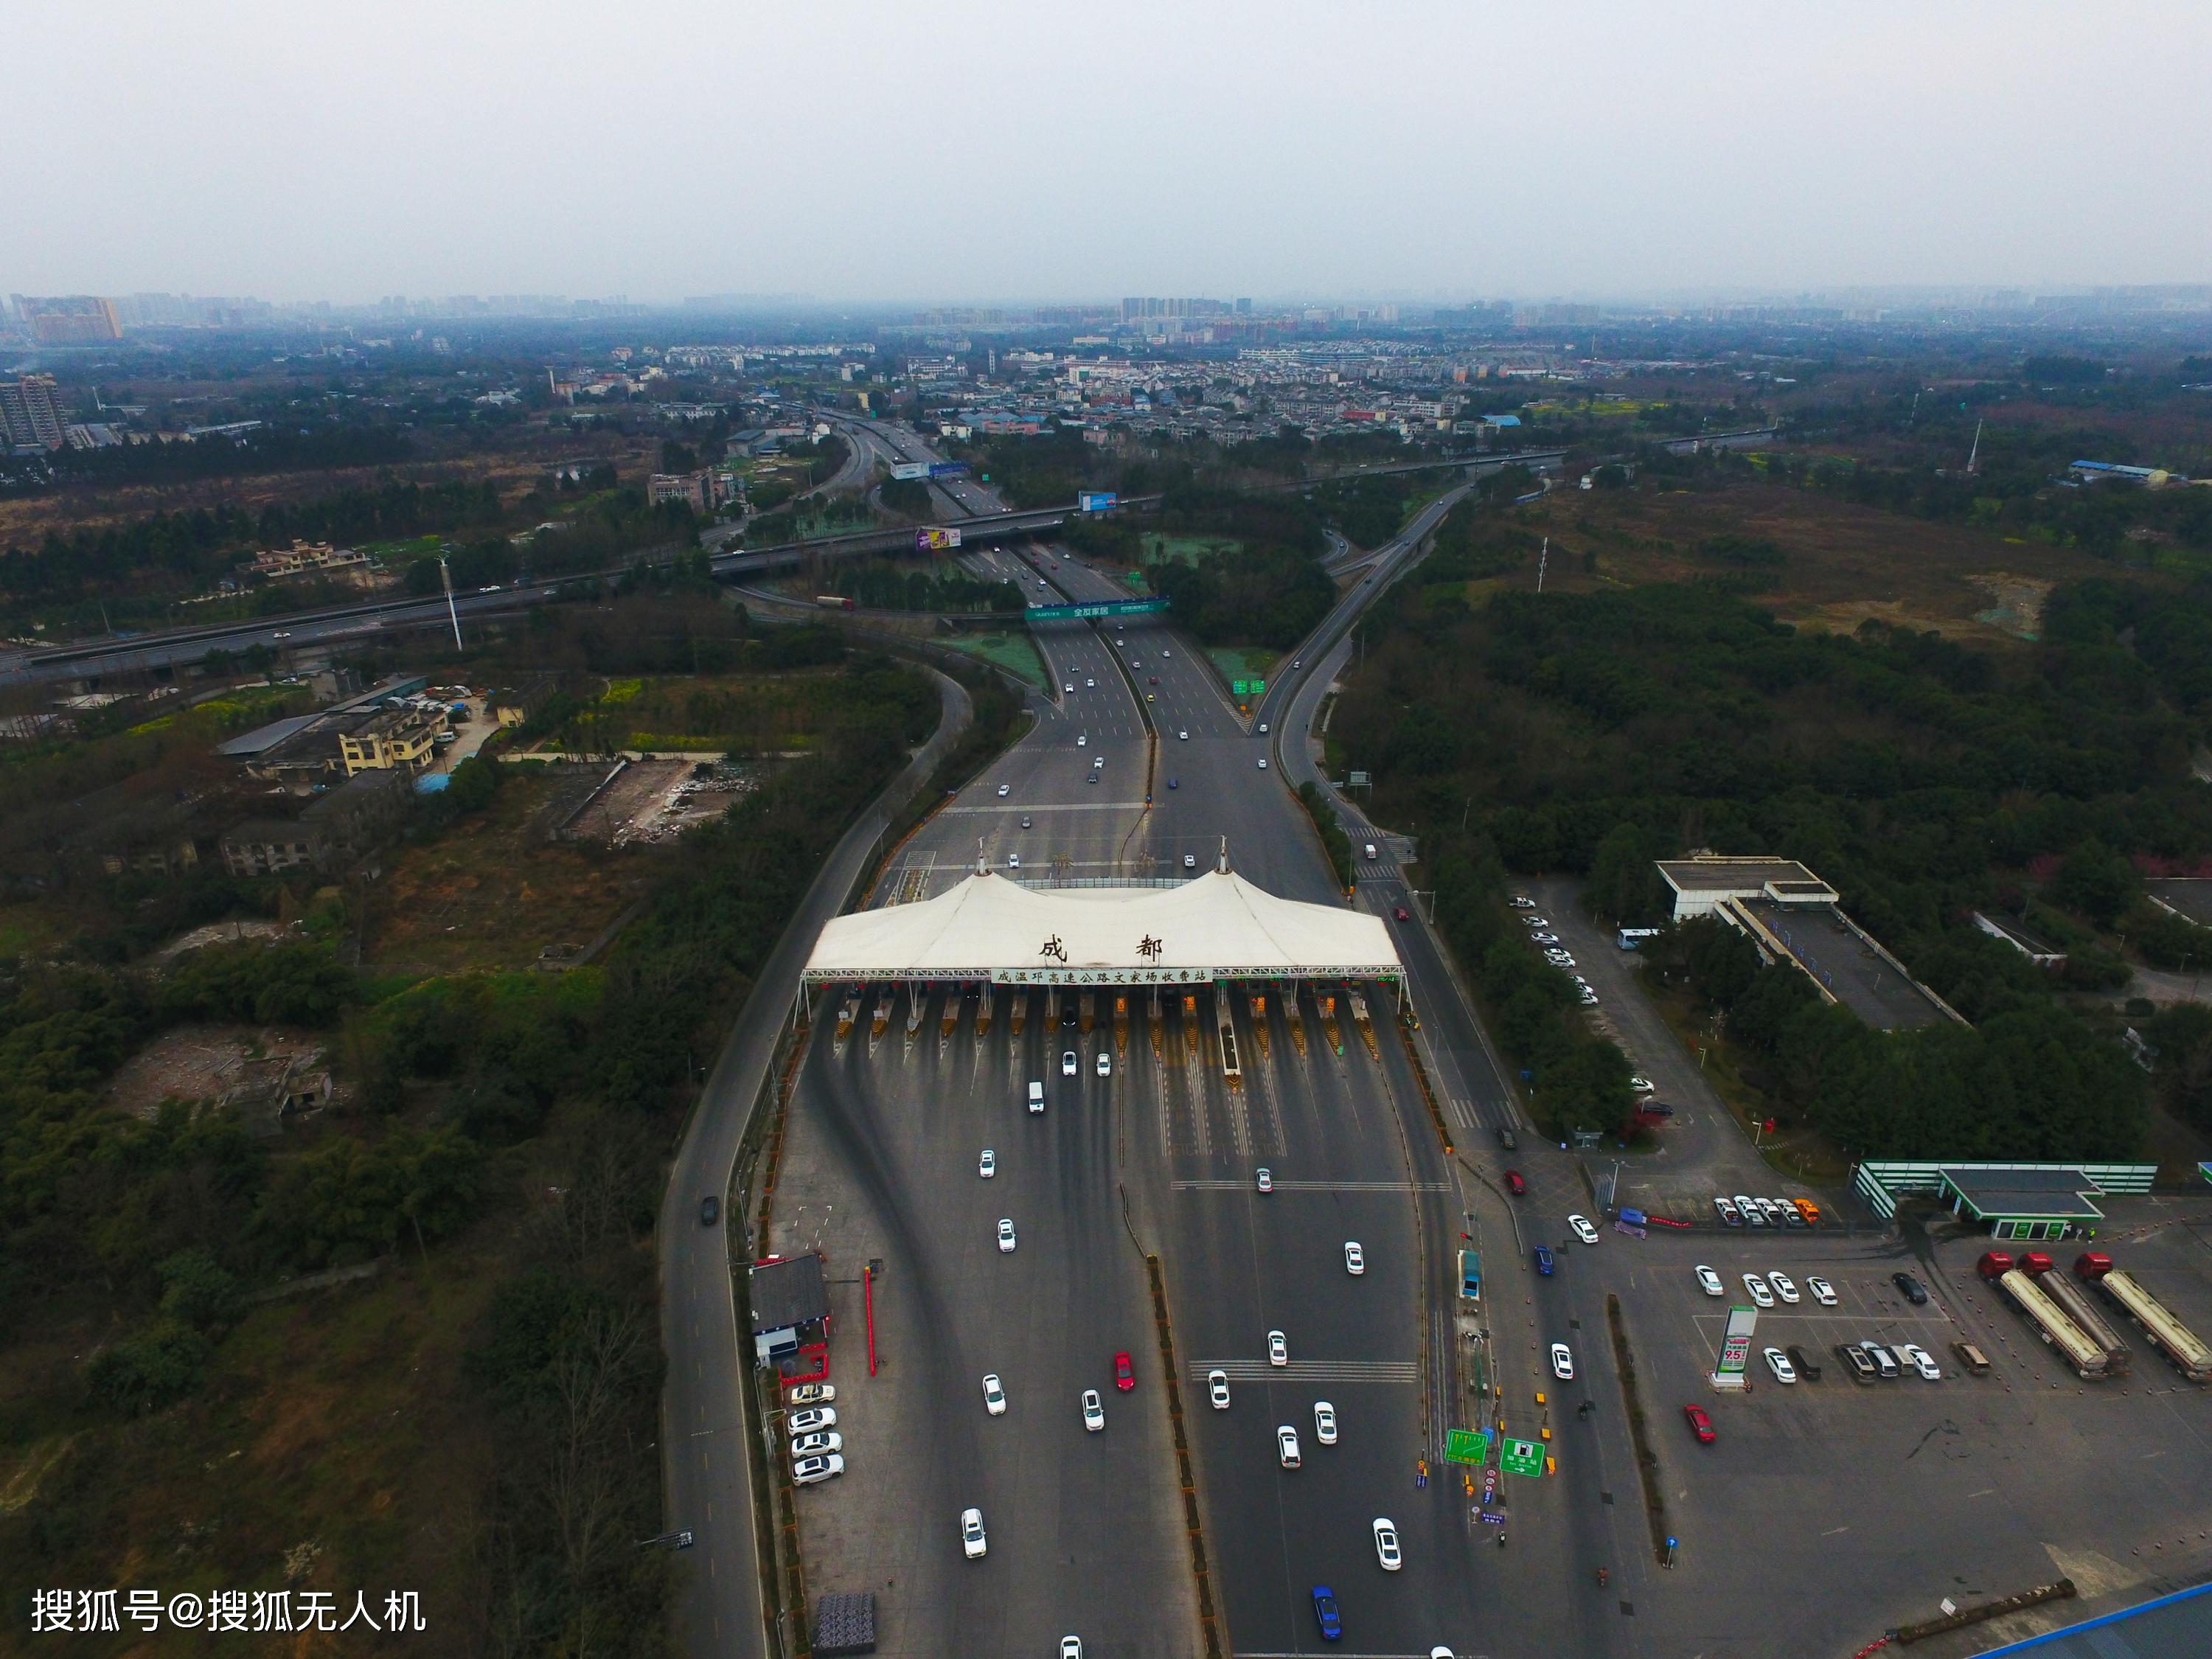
(1974, 455)
(445, 575)
(1543, 558)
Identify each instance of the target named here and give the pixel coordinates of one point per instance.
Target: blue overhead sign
(1110, 608)
(947, 469)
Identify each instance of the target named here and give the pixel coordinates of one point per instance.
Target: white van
(1037, 1097)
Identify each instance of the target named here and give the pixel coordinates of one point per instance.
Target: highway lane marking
(1309, 1370)
(1048, 807)
(1314, 1186)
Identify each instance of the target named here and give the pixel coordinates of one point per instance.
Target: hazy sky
(958, 150)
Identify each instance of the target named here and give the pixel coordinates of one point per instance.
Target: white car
(1521, 901)
(1263, 762)
(973, 1544)
(1068, 1063)
(1071, 1647)
(1757, 1287)
(1324, 1422)
(1014, 861)
(1386, 1544)
(1587, 997)
(808, 1470)
(1542, 937)
(1005, 1235)
(1532, 919)
(1094, 1414)
(994, 1394)
(1182, 737)
(987, 1165)
(1082, 740)
(1355, 1259)
(1709, 1282)
(1105, 1064)
(1278, 1352)
(1091, 684)
(1582, 1230)
(1287, 1446)
(1778, 1363)
(1005, 790)
(1823, 1293)
(1216, 1389)
(1190, 861)
(1164, 655)
(806, 1422)
(811, 1393)
(1070, 686)
(1263, 728)
(1559, 958)
(1563, 1361)
(1643, 1086)
(1098, 763)
(1784, 1286)
(1264, 1180)
(818, 1445)
(1916, 1357)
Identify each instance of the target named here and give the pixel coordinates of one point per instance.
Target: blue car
(1331, 1627)
(1175, 783)
(1544, 1259)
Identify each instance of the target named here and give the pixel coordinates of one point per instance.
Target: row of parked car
(1743, 1211)
(817, 1451)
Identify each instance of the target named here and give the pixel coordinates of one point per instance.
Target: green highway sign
(1467, 1446)
(1258, 686)
(1241, 688)
(1108, 608)
(1522, 1457)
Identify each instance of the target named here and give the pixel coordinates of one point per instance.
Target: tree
(156, 1367)
(199, 1291)
(2183, 1037)
(2097, 881)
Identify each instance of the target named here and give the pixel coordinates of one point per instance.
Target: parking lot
(1835, 1509)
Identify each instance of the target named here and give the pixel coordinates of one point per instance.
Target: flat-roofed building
(1703, 882)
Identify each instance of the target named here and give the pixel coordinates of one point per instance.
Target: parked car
(808, 1470)
(806, 1422)
(1709, 1282)
(1915, 1291)
(1729, 1215)
(818, 1445)
(1783, 1286)
(1756, 1288)
(1807, 1367)
(1823, 1293)
(810, 1393)
(1778, 1363)
(1582, 1230)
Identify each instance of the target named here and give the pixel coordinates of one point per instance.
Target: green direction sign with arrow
(1108, 608)
(1522, 1457)
(1467, 1446)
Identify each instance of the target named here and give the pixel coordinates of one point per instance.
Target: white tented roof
(1218, 926)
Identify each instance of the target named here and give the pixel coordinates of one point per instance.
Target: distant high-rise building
(30, 413)
(71, 320)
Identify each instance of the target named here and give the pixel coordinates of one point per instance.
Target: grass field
(1192, 549)
(1011, 651)
(1243, 662)
(489, 894)
(1841, 565)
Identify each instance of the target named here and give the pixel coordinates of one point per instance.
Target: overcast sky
(957, 150)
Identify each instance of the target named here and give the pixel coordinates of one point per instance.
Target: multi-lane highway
(1163, 1154)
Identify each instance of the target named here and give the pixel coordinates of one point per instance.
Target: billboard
(911, 469)
(935, 541)
(947, 469)
(1094, 501)
(1735, 1347)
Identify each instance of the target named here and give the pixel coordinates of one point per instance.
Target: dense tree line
(1923, 778)
(889, 585)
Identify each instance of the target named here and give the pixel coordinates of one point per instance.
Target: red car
(1400, 913)
(1514, 1184)
(1125, 1375)
(1700, 1425)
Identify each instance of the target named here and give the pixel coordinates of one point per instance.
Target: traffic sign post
(1522, 1457)
(1467, 1446)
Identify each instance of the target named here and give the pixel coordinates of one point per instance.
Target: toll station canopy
(1218, 926)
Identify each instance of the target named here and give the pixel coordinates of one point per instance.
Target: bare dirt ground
(1841, 563)
(514, 470)
(198, 1062)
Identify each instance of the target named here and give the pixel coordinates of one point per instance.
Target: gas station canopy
(1218, 927)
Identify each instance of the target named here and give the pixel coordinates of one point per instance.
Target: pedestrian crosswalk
(1308, 1371)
